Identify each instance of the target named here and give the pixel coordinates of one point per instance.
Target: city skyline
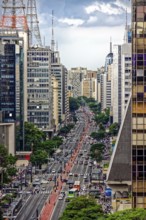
(83, 29)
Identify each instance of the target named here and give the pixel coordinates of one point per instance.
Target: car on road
(70, 174)
(50, 178)
(85, 176)
(64, 180)
(43, 188)
(53, 171)
(85, 163)
(63, 193)
(44, 181)
(61, 196)
(76, 175)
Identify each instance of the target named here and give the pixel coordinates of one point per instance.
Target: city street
(48, 193)
(33, 201)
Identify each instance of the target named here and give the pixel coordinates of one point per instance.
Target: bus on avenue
(72, 193)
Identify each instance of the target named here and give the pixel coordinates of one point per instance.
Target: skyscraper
(139, 103)
(13, 68)
(39, 87)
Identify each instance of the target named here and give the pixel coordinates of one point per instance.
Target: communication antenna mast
(33, 23)
(52, 40)
(13, 15)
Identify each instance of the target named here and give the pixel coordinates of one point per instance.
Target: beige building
(55, 101)
(89, 87)
(7, 136)
(76, 75)
(60, 73)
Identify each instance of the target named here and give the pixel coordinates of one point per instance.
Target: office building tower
(99, 72)
(39, 88)
(117, 89)
(75, 79)
(103, 79)
(55, 97)
(59, 72)
(126, 76)
(89, 85)
(106, 81)
(139, 103)
(13, 69)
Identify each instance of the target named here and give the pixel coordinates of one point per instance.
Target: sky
(83, 28)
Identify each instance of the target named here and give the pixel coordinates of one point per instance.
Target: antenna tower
(52, 40)
(33, 23)
(13, 16)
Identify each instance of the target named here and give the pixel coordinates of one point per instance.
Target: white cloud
(121, 4)
(92, 19)
(71, 21)
(88, 47)
(104, 8)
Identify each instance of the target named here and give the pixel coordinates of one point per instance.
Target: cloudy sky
(83, 28)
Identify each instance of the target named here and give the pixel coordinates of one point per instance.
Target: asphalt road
(80, 170)
(33, 204)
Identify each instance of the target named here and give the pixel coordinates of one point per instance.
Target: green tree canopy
(102, 118)
(33, 136)
(39, 157)
(66, 129)
(113, 129)
(12, 159)
(73, 104)
(98, 135)
(82, 208)
(130, 214)
(8, 163)
(96, 151)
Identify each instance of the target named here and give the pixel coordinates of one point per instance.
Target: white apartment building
(103, 81)
(39, 88)
(126, 75)
(117, 84)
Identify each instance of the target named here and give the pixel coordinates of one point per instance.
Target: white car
(53, 171)
(70, 174)
(61, 197)
(43, 188)
(44, 181)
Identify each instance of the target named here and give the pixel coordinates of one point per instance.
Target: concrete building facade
(60, 73)
(76, 75)
(117, 84)
(39, 87)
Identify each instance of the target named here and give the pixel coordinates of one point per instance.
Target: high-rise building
(126, 76)
(99, 72)
(106, 81)
(139, 103)
(13, 71)
(89, 85)
(116, 89)
(55, 102)
(75, 79)
(39, 88)
(59, 72)
(103, 80)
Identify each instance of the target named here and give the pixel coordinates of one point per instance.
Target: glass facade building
(139, 103)
(8, 83)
